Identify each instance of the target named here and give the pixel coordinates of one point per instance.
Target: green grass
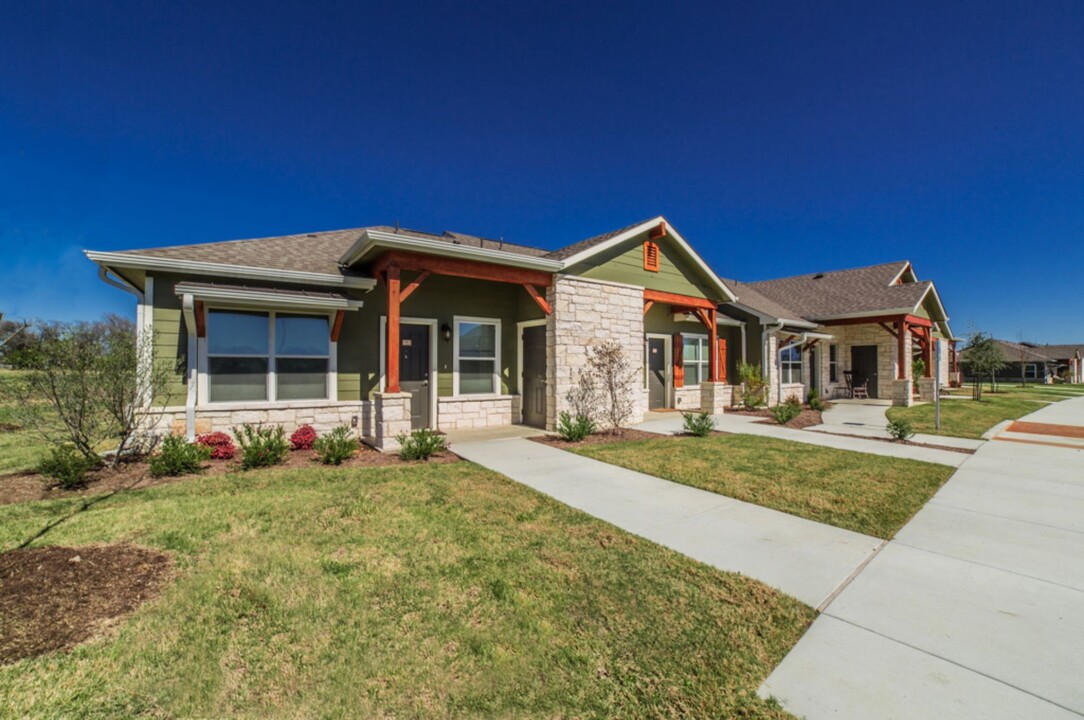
(970, 419)
(22, 449)
(867, 493)
(422, 591)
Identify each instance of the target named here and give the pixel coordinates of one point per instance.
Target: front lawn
(424, 591)
(870, 494)
(19, 449)
(970, 419)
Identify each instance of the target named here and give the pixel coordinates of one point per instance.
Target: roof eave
(378, 240)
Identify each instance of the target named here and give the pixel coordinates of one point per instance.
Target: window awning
(260, 297)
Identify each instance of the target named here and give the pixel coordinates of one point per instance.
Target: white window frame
(787, 368)
(1031, 371)
(457, 320)
(702, 364)
(271, 380)
(833, 363)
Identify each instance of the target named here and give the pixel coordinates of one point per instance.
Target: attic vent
(818, 276)
(651, 256)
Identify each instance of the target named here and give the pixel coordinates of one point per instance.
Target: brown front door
(414, 371)
(864, 367)
(534, 376)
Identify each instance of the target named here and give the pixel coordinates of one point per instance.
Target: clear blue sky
(780, 138)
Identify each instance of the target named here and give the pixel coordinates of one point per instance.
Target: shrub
(67, 466)
(698, 424)
(786, 411)
(177, 456)
(220, 444)
(421, 444)
(614, 378)
(261, 446)
(574, 428)
(303, 438)
(814, 399)
(754, 386)
(336, 446)
(900, 429)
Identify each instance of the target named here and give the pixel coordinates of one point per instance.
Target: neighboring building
(869, 323)
(1068, 360)
(1031, 362)
(387, 329)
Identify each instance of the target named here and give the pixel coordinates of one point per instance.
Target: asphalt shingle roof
(570, 250)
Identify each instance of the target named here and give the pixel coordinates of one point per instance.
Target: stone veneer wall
(847, 336)
(322, 415)
(459, 413)
(588, 312)
(687, 398)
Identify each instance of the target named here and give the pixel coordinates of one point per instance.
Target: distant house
(839, 329)
(1031, 362)
(387, 329)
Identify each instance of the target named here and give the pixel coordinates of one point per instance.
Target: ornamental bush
(303, 438)
(814, 400)
(421, 444)
(574, 428)
(336, 446)
(261, 446)
(786, 411)
(177, 456)
(699, 424)
(220, 444)
(900, 429)
(67, 466)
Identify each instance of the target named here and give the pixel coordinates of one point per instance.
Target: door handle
(425, 383)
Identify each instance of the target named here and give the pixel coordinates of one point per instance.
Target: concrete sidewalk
(869, 418)
(751, 425)
(800, 557)
(975, 609)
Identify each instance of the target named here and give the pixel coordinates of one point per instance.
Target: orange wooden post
(928, 352)
(901, 343)
(391, 343)
(713, 350)
(722, 360)
(678, 358)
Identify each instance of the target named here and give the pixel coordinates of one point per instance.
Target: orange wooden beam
(414, 285)
(537, 297)
(456, 267)
(659, 231)
(201, 320)
(889, 329)
(337, 327)
(680, 300)
(901, 348)
(647, 305)
(391, 344)
(911, 320)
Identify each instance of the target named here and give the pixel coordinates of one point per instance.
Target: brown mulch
(965, 451)
(602, 438)
(30, 486)
(52, 598)
(807, 418)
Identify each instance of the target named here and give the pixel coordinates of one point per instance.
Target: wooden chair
(861, 391)
(848, 377)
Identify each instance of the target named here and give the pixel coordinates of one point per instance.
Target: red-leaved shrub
(221, 444)
(303, 438)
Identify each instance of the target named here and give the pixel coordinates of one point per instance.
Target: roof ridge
(895, 263)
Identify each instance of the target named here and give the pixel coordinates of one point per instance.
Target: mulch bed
(965, 451)
(807, 418)
(30, 486)
(52, 598)
(605, 438)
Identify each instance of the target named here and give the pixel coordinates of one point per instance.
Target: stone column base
(715, 397)
(925, 389)
(391, 418)
(901, 393)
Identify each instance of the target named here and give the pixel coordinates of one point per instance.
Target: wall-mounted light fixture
(446, 332)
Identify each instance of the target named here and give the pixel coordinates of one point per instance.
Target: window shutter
(651, 256)
(679, 361)
(721, 358)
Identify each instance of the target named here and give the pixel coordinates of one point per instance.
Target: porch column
(927, 352)
(391, 341)
(901, 348)
(713, 347)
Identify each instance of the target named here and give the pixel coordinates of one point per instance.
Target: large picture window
(694, 355)
(267, 356)
(477, 356)
(792, 364)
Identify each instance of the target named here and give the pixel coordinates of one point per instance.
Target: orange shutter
(679, 361)
(721, 355)
(651, 256)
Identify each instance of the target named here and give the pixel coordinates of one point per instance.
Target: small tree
(1022, 354)
(583, 398)
(754, 386)
(613, 377)
(985, 358)
(89, 385)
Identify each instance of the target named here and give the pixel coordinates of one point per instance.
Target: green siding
(659, 321)
(625, 264)
(170, 341)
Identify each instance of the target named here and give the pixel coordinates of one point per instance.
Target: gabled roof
(592, 242)
(1017, 352)
(1061, 352)
(752, 301)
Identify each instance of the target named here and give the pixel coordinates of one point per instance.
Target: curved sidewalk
(802, 558)
(975, 609)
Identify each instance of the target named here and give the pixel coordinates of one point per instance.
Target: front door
(534, 376)
(864, 367)
(414, 371)
(656, 373)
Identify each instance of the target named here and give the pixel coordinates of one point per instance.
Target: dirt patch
(30, 486)
(602, 438)
(52, 598)
(6, 427)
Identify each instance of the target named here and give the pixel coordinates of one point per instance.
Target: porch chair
(861, 391)
(848, 378)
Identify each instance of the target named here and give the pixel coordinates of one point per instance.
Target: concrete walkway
(805, 559)
(974, 610)
(751, 425)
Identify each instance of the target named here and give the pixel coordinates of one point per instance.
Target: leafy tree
(985, 358)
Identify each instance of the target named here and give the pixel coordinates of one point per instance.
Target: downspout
(188, 306)
(119, 283)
